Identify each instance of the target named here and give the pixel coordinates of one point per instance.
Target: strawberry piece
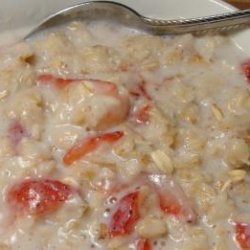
(125, 215)
(143, 244)
(142, 115)
(245, 66)
(243, 235)
(37, 196)
(16, 132)
(90, 144)
(169, 204)
(172, 199)
(58, 81)
(117, 113)
(99, 86)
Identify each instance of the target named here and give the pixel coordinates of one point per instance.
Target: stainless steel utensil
(106, 10)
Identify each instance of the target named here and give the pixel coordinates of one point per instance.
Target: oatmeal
(115, 139)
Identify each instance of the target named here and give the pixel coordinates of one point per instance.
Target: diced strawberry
(16, 132)
(37, 196)
(243, 235)
(246, 69)
(88, 145)
(125, 215)
(169, 204)
(116, 114)
(143, 244)
(99, 86)
(172, 199)
(58, 81)
(142, 115)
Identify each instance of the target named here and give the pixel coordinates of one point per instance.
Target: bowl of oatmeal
(112, 138)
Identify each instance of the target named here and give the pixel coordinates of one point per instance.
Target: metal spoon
(106, 10)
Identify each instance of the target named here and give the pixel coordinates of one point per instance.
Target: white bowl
(28, 13)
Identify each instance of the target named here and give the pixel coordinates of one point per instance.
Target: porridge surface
(114, 139)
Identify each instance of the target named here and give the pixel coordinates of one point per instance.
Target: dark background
(241, 4)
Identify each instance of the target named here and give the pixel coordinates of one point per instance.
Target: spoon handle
(119, 13)
(201, 25)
